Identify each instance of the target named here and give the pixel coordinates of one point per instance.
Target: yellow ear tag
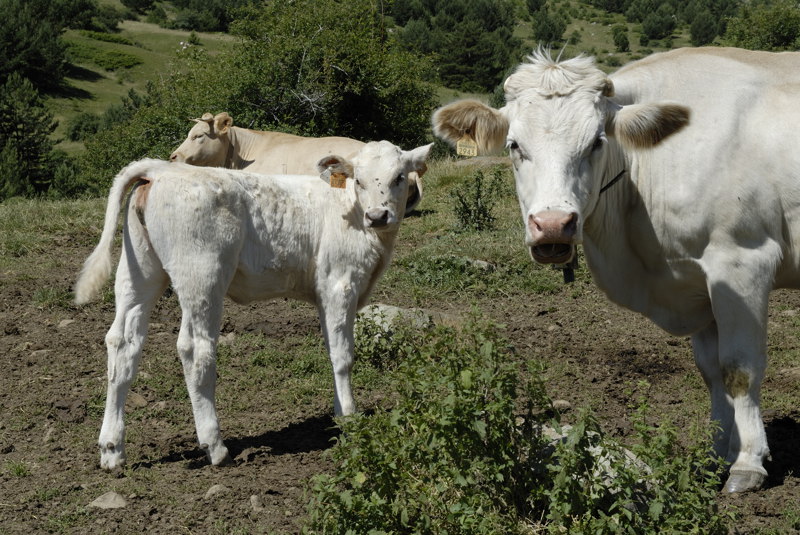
(338, 180)
(466, 146)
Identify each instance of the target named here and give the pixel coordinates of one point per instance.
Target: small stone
(227, 339)
(109, 500)
(561, 405)
(65, 323)
(256, 504)
(216, 490)
(136, 400)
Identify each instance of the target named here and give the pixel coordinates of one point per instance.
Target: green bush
(110, 60)
(475, 199)
(106, 37)
(463, 450)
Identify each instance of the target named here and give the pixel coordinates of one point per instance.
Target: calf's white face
(380, 180)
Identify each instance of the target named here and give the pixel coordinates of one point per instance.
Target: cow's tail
(97, 268)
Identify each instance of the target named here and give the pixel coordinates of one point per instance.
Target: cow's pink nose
(552, 226)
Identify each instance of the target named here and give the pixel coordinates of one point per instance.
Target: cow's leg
(337, 314)
(739, 301)
(201, 304)
(139, 282)
(706, 356)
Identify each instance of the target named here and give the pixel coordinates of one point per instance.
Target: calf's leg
(337, 313)
(139, 282)
(201, 296)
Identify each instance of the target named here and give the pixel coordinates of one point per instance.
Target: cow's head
(380, 173)
(207, 143)
(564, 136)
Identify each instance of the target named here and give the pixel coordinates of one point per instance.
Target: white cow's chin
(552, 253)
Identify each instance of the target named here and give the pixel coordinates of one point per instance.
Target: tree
(660, 23)
(25, 144)
(769, 26)
(703, 29)
(30, 44)
(620, 35)
(470, 41)
(548, 28)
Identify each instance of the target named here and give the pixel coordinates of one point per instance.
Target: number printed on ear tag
(466, 146)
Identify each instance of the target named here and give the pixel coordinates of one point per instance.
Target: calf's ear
(484, 124)
(641, 126)
(335, 164)
(417, 158)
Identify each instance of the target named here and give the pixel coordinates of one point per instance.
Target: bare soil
(53, 386)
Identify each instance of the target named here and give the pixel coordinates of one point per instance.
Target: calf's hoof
(218, 455)
(112, 457)
(745, 480)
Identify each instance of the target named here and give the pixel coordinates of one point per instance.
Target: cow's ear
(222, 122)
(335, 164)
(641, 126)
(206, 118)
(484, 124)
(417, 158)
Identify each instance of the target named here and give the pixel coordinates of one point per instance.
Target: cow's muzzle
(552, 236)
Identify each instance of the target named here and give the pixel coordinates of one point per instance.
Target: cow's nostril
(378, 217)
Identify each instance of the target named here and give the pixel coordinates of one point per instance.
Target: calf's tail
(97, 267)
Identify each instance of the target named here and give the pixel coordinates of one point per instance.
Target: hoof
(744, 481)
(112, 457)
(217, 455)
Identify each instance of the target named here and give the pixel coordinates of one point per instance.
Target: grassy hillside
(108, 66)
(94, 83)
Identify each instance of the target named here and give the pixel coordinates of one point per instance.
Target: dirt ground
(53, 381)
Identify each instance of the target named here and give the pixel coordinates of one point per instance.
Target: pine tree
(25, 145)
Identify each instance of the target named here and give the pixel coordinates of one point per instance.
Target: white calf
(213, 232)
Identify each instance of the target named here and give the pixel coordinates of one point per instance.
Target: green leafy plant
(469, 448)
(474, 201)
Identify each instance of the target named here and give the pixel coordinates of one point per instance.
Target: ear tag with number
(338, 180)
(466, 146)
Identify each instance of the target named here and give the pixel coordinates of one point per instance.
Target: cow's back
(277, 152)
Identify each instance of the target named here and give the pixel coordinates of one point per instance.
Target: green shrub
(109, 60)
(464, 450)
(106, 37)
(474, 201)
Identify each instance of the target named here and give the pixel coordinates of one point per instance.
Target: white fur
(706, 220)
(212, 232)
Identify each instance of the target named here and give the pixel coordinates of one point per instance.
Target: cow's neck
(241, 141)
(621, 248)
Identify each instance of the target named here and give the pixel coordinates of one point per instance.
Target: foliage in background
(471, 41)
(310, 67)
(766, 26)
(25, 146)
(464, 451)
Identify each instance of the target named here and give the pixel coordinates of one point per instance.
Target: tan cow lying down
(214, 142)
(212, 232)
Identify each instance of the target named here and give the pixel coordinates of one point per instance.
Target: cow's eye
(398, 179)
(512, 145)
(359, 184)
(598, 143)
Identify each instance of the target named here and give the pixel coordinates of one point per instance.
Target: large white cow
(684, 190)
(215, 142)
(212, 232)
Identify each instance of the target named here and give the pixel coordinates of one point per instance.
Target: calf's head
(557, 124)
(207, 143)
(379, 175)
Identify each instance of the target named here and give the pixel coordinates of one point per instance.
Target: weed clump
(471, 448)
